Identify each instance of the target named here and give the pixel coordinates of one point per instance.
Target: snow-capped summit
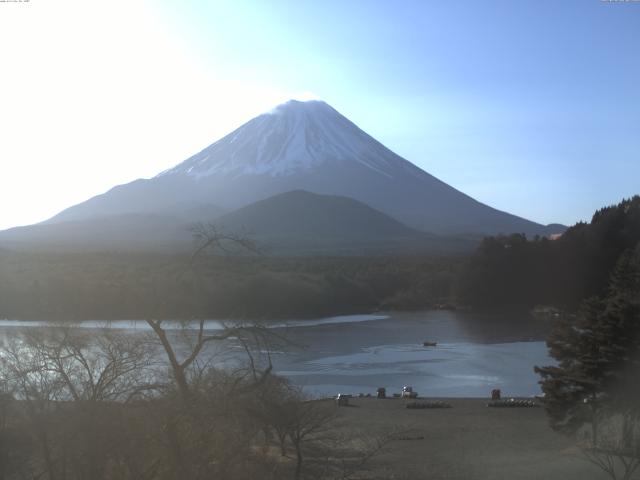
(295, 136)
(302, 146)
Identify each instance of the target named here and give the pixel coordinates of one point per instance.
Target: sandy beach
(467, 441)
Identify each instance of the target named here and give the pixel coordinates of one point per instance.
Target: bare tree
(70, 386)
(211, 238)
(244, 334)
(309, 420)
(322, 447)
(614, 445)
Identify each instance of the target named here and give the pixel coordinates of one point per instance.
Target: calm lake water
(358, 353)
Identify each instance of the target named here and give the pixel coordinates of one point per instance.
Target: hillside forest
(505, 272)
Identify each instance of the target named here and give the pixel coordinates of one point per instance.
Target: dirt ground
(469, 441)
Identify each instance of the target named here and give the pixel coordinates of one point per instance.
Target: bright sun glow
(99, 94)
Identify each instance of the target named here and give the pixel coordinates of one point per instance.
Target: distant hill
(305, 222)
(292, 223)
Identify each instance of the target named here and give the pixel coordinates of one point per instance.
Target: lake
(358, 353)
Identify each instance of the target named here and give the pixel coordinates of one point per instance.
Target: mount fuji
(297, 146)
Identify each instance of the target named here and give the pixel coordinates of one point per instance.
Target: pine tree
(598, 355)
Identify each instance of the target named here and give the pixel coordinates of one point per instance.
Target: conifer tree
(598, 354)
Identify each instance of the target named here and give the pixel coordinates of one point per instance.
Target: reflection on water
(358, 353)
(451, 369)
(474, 354)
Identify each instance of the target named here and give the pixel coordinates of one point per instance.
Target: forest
(48, 286)
(515, 272)
(505, 272)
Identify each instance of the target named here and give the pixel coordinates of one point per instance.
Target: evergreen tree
(598, 354)
(511, 271)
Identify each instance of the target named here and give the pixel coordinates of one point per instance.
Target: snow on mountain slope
(294, 137)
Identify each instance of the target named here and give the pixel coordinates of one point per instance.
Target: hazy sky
(530, 106)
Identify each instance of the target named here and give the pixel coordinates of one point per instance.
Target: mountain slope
(291, 223)
(125, 232)
(308, 146)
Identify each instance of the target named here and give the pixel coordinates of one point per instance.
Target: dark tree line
(513, 271)
(48, 286)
